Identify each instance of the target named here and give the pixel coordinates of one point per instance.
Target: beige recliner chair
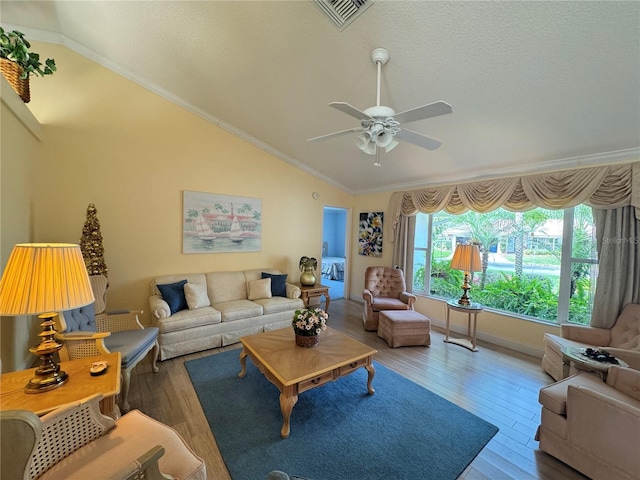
(384, 289)
(594, 426)
(622, 341)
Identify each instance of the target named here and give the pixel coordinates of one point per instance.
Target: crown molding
(584, 161)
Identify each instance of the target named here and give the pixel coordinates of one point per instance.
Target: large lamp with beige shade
(466, 258)
(41, 279)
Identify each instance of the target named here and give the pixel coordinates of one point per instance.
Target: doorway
(334, 248)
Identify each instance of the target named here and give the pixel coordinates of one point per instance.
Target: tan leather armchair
(594, 426)
(77, 441)
(622, 341)
(384, 289)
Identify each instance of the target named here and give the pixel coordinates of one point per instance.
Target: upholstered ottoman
(401, 328)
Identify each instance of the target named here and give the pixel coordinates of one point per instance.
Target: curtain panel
(605, 187)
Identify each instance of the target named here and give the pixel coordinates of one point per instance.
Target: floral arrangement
(309, 321)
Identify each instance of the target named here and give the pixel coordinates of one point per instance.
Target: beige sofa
(594, 426)
(221, 308)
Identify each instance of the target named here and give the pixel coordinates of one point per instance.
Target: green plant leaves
(14, 47)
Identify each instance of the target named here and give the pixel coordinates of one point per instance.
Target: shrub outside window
(539, 264)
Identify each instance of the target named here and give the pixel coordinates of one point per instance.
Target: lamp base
(46, 382)
(48, 375)
(464, 299)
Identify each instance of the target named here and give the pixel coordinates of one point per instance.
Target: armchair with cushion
(622, 341)
(384, 289)
(85, 334)
(594, 426)
(77, 441)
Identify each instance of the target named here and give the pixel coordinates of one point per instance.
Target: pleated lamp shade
(44, 277)
(467, 258)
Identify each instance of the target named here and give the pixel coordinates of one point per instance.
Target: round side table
(472, 311)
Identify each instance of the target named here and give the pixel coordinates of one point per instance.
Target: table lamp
(42, 279)
(466, 258)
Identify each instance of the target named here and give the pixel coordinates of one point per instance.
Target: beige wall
(18, 151)
(133, 153)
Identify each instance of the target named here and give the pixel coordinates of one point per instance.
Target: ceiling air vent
(343, 12)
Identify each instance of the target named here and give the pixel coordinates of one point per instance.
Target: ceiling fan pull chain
(376, 162)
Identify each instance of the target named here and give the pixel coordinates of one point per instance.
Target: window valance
(599, 187)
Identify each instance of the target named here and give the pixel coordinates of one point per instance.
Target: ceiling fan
(380, 126)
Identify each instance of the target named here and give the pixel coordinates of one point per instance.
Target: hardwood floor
(499, 385)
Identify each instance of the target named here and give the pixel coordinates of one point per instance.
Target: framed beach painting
(214, 223)
(370, 238)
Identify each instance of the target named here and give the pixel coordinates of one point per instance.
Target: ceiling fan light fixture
(370, 149)
(384, 139)
(380, 126)
(393, 144)
(365, 144)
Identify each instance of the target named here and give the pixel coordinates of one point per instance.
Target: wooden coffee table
(295, 369)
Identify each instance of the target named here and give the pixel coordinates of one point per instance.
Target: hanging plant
(14, 47)
(17, 63)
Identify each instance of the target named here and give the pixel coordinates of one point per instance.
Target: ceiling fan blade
(336, 134)
(418, 139)
(349, 110)
(426, 111)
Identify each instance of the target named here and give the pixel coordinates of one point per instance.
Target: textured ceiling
(533, 85)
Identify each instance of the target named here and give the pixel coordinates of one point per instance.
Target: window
(540, 264)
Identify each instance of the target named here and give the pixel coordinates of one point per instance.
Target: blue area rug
(338, 431)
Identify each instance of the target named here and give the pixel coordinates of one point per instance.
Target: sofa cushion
(554, 396)
(260, 289)
(278, 284)
(173, 294)
(238, 309)
(625, 333)
(196, 295)
(81, 319)
(387, 303)
(188, 319)
(280, 304)
(226, 286)
(132, 344)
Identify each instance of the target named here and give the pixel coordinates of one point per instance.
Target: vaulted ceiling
(534, 85)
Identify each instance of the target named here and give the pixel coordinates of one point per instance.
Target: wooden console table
(80, 385)
(315, 291)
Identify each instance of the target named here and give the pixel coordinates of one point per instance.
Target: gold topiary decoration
(91, 244)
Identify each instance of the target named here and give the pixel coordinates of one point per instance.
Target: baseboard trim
(486, 337)
(482, 336)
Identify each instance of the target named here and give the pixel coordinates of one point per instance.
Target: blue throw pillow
(278, 284)
(173, 294)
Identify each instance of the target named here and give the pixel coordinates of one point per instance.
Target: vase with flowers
(307, 325)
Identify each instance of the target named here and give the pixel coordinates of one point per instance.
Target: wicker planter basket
(12, 71)
(306, 340)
